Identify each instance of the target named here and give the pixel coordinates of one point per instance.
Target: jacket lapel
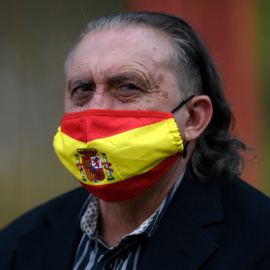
(54, 246)
(194, 206)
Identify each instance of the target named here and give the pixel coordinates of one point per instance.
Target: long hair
(216, 151)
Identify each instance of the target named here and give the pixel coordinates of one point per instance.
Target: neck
(121, 218)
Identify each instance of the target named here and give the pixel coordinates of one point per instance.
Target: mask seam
(86, 134)
(117, 113)
(172, 134)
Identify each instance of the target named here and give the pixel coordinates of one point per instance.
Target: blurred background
(36, 36)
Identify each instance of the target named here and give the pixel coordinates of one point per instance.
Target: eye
(81, 95)
(81, 89)
(129, 86)
(127, 92)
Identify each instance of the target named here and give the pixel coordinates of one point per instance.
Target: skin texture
(124, 69)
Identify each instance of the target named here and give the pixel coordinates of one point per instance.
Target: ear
(200, 111)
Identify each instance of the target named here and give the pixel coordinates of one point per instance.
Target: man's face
(121, 69)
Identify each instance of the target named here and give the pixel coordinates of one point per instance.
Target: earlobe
(200, 113)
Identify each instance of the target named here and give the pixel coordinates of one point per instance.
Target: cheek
(68, 108)
(66, 104)
(165, 94)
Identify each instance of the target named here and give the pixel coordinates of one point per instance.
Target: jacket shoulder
(239, 194)
(65, 207)
(36, 218)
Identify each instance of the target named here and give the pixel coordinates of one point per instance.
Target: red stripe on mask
(76, 126)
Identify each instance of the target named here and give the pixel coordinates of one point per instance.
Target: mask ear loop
(184, 101)
(184, 155)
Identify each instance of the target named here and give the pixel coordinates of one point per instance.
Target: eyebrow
(134, 77)
(126, 77)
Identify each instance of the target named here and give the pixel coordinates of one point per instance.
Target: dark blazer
(216, 226)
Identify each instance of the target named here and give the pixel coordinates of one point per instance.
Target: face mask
(118, 154)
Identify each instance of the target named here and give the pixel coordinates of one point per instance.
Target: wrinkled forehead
(131, 37)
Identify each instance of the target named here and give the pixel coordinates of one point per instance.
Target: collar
(90, 215)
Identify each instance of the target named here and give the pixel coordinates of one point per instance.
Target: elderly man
(146, 132)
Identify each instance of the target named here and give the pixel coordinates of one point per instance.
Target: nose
(101, 99)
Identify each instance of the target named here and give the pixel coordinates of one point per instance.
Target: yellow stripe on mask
(125, 151)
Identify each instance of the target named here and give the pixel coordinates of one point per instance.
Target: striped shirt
(94, 254)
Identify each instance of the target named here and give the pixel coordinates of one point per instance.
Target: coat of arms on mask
(94, 168)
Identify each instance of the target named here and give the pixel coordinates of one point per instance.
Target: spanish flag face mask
(118, 154)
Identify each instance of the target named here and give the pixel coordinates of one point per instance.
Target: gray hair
(217, 151)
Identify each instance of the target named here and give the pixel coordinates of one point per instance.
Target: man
(146, 132)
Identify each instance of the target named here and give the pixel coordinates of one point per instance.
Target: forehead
(135, 42)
